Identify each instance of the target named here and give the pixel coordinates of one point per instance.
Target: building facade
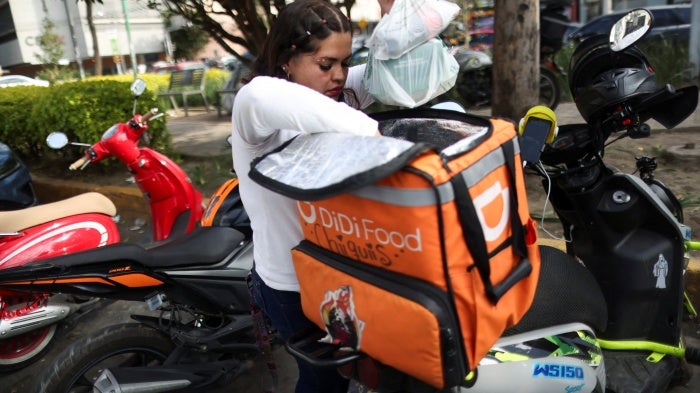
(21, 25)
(139, 30)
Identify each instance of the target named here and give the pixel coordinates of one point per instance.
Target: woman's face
(326, 69)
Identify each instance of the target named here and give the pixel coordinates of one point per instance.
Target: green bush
(16, 110)
(669, 58)
(83, 110)
(215, 79)
(155, 83)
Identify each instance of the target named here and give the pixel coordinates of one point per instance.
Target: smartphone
(533, 138)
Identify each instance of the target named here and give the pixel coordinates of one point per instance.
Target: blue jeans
(283, 308)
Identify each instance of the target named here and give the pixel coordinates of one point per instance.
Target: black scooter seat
(203, 246)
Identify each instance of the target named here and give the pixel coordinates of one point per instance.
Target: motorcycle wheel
(21, 351)
(550, 93)
(130, 344)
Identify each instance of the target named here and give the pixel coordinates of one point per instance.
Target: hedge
(158, 83)
(85, 109)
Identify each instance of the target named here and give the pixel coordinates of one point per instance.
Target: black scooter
(607, 316)
(16, 187)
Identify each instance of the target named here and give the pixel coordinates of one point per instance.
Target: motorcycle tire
(77, 367)
(20, 351)
(550, 92)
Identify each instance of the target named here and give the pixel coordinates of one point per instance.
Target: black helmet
(600, 78)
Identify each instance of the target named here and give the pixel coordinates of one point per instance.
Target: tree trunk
(93, 33)
(516, 53)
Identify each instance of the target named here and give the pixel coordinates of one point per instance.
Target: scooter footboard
(351, 364)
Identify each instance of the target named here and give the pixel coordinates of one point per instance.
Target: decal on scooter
(338, 314)
(661, 271)
(554, 370)
(103, 234)
(574, 389)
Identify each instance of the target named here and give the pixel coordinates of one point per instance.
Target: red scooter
(28, 321)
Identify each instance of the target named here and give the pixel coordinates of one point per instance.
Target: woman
(301, 83)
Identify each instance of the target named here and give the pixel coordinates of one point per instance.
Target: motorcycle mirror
(57, 140)
(630, 29)
(138, 86)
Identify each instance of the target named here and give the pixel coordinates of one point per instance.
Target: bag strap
(474, 234)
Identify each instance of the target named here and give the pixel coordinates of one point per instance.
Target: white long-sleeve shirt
(266, 113)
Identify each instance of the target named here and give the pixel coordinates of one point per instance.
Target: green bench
(185, 83)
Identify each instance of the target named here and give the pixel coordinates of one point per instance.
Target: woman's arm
(268, 104)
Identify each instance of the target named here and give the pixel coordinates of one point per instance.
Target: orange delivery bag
(418, 247)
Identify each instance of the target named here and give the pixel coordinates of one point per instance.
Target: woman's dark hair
(298, 29)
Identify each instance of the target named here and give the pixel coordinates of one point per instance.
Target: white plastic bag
(409, 24)
(414, 78)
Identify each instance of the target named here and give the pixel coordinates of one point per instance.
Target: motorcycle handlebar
(148, 115)
(80, 163)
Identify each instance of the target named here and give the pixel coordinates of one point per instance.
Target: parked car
(671, 21)
(162, 67)
(21, 80)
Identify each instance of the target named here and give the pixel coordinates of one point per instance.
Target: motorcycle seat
(89, 202)
(566, 293)
(203, 246)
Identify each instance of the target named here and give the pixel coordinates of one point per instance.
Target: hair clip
(324, 21)
(308, 32)
(294, 46)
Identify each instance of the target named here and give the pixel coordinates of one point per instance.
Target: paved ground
(204, 134)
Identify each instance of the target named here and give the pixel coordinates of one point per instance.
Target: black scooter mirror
(57, 140)
(630, 29)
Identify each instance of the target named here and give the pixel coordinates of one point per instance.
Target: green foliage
(83, 110)
(188, 41)
(668, 58)
(16, 110)
(50, 43)
(215, 79)
(155, 83)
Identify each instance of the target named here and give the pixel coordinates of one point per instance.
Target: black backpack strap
(474, 235)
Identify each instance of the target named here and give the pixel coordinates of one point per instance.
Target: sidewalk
(201, 134)
(204, 134)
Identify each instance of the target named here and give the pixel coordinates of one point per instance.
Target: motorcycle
(195, 283)
(607, 313)
(28, 321)
(475, 80)
(175, 205)
(475, 66)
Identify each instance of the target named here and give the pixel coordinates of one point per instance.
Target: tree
(51, 45)
(188, 41)
(516, 51)
(231, 22)
(93, 33)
